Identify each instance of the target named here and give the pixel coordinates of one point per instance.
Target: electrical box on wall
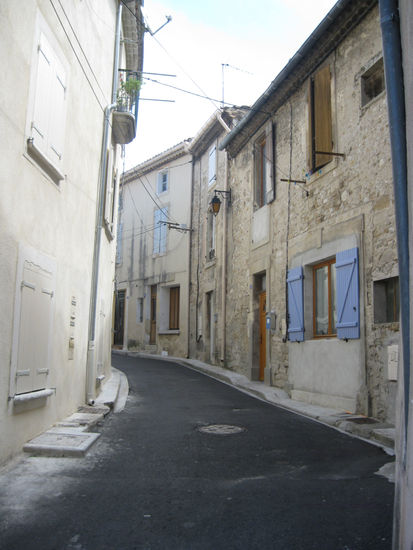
(270, 321)
(392, 361)
(72, 325)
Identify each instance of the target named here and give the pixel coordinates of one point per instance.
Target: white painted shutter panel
(40, 122)
(162, 238)
(157, 232)
(34, 330)
(212, 166)
(57, 111)
(269, 164)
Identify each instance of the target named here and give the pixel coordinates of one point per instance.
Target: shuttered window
(264, 186)
(324, 299)
(159, 233)
(174, 308)
(162, 184)
(295, 287)
(320, 120)
(348, 309)
(49, 112)
(212, 166)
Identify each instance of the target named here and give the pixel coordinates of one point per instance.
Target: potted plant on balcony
(127, 93)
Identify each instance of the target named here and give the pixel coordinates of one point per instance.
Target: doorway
(119, 318)
(262, 332)
(152, 336)
(210, 332)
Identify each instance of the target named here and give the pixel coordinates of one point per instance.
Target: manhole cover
(221, 429)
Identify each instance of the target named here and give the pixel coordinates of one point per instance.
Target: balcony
(125, 114)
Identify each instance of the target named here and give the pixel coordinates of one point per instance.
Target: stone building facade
(311, 271)
(152, 276)
(209, 239)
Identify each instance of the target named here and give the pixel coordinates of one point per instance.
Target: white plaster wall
(140, 268)
(58, 221)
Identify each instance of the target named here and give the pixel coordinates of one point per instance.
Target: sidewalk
(363, 427)
(73, 436)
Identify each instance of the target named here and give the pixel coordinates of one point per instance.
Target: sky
(227, 50)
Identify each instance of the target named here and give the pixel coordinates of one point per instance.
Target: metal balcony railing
(125, 114)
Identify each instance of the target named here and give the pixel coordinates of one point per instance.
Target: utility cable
(77, 57)
(81, 49)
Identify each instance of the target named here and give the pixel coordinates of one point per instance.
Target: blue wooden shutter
(348, 308)
(295, 285)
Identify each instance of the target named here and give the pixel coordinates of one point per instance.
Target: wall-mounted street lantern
(216, 202)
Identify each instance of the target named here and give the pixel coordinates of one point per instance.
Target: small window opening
(372, 82)
(386, 300)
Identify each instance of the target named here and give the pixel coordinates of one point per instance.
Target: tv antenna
(223, 65)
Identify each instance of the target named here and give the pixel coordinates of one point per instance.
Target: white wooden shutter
(34, 329)
(157, 232)
(57, 111)
(269, 163)
(212, 166)
(41, 112)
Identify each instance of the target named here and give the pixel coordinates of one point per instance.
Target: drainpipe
(392, 55)
(224, 271)
(91, 352)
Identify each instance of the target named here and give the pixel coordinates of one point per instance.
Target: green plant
(127, 92)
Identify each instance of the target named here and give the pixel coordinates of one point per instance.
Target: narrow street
(155, 480)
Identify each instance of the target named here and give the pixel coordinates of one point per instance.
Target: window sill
(21, 398)
(168, 332)
(43, 162)
(322, 171)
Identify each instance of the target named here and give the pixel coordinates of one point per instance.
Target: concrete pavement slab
(56, 444)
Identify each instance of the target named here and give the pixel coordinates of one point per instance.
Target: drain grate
(221, 429)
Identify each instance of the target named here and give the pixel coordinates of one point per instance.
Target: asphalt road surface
(165, 475)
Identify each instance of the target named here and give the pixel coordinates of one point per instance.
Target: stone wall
(349, 200)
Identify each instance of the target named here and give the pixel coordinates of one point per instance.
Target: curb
(71, 437)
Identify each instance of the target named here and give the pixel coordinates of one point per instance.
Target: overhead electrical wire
(81, 49)
(77, 56)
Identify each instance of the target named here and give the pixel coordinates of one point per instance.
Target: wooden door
(262, 333)
(152, 337)
(119, 318)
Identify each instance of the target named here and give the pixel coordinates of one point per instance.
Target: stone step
(59, 442)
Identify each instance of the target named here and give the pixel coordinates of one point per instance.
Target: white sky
(255, 39)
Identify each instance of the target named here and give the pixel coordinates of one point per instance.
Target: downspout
(224, 255)
(191, 221)
(91, 355)
(392, 55)
(224, 271)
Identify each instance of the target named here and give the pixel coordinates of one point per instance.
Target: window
(159, 233)
(386, 300)
(210, 236)
(335, 293)
(111, 177)
(264, 189)
(48, 112)
(139, 310)
(212, 165)
(324, 299)
(174, 308)
(119, 252)
(162, 185)
(372, 82)
(33, 318)
(260, 172)
(320, 126)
